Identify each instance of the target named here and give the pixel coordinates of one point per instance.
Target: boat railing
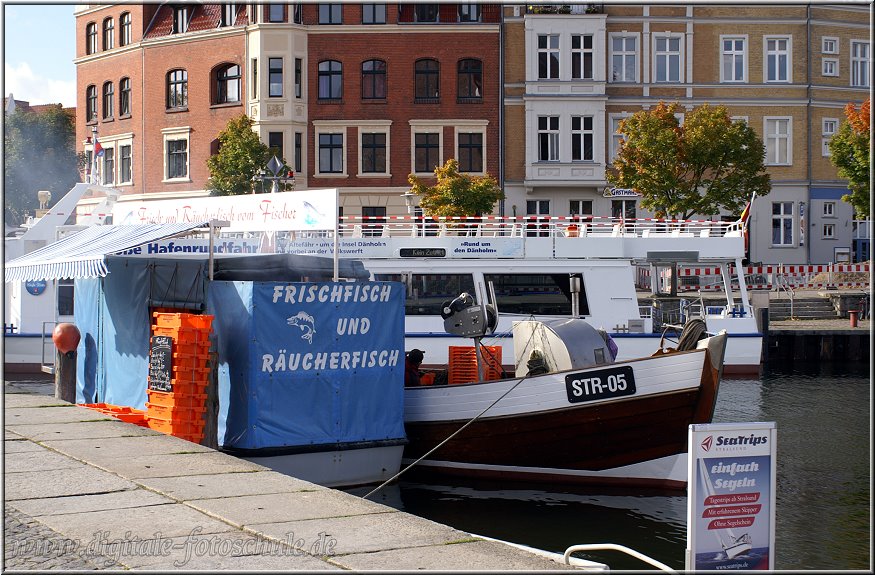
(531, 226)
(615, 547)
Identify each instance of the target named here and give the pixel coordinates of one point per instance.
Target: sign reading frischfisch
(284, 211)
(731, 496)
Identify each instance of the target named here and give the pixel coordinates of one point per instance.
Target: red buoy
(66, 337)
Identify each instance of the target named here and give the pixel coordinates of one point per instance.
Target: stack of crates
(462, 367)
(180, 412)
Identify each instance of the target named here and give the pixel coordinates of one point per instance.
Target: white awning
(81, 254)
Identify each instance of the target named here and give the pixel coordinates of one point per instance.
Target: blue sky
(39, 44)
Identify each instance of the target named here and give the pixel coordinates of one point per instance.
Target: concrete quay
(85, 491)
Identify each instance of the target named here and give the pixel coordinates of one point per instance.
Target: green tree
(849, 152)
(40, 151)
(241, 156)
(456, 194)
(707, 164)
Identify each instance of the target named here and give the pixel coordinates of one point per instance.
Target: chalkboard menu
(160, 363)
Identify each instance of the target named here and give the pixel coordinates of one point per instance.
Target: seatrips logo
(706, 443)
(307, 324)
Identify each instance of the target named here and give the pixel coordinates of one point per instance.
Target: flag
(745, 213)
(98, 149)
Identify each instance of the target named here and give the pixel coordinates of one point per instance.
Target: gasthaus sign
(731, 497)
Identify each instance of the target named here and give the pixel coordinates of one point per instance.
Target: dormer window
(229, 14)
(180, 19)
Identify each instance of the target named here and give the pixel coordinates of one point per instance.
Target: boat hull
(534, 433)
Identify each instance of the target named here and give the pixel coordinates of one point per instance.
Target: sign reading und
(160, 363)
(731, 497)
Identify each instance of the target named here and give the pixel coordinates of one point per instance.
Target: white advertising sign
(284, 211)
(731, 497)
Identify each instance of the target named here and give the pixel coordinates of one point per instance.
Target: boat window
(426, 293)
(535, 294)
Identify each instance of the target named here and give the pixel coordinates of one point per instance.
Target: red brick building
(356, 96)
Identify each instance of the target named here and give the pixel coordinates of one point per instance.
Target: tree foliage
(456, 194)
(707, 164)
(40, 151)
(241, 155)
(849, 152)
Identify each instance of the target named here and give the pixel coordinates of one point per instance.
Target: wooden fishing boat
(588, 419)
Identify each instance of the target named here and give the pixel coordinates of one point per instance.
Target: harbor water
(823, 511)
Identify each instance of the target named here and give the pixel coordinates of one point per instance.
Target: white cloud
(23, 84)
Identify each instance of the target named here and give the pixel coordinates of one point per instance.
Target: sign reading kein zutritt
(731, 496)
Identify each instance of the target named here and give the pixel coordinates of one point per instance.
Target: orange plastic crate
(183, 334)
(183, 320)
(176, 412)
(176, 399)
(199, 348)
(462, 366)
(173, 427)
(185, 361)
(187, 387)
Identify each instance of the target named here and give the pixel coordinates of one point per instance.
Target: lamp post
(274, 166)
(410, 199)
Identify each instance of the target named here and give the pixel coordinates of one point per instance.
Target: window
(253, 87)
(778, 149)
(108, 34)
(330, 13)
(426, 293)
(829, 231)
(275, 77)
(377, 216)
(582, 138)
(535, 294)
(859, 64)
(829, 209)
(108, 97)
(581, 56)
(733, 66)
(548, 56)
(667, 58)
(331, 153)
(469, 12)
(830, 125)
(580, 207)
(299, 77)
(275, 143)
(177, 159)
(108, 165)
(625, 209)
(228, 84)
(426, 80)
(276, 12)
(616, 136)
(177, 89)
(298, 13)
(229, 14)
(91, 104)
(830, 67)
(373, 13)
(829, 45)
(427, 152)
(373, 80)
(373, 153)
(538, 208)
(624, 58)
(470, 79)
(125, 175)
(124, 97)
(782, 223)
(299, 138)
(425, 13)
(470, 152)
(548, 138)
(65, 297)
(91, 38)
(330, 80)
(125, 37)
(180, 19)
(778, 64)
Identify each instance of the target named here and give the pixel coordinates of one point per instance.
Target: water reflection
(823, 501)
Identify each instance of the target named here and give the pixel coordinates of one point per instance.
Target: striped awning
(81, 255)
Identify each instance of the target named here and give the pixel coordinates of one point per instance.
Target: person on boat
(412, 362)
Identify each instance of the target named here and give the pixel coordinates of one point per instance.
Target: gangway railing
(615, 547)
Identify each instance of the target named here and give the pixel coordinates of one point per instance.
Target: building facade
(357, 96)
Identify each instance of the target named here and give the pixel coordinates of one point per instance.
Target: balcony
(576, 9)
